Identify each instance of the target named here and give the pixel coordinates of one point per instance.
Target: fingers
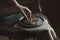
(28, 10)
(28, 13)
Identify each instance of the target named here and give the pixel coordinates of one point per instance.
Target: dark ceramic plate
(39, 22)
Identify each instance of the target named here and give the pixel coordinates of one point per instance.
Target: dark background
(51, 9)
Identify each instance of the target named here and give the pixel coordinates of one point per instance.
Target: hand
(25, 11)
